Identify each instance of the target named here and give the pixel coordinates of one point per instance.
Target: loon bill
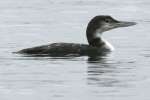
(97, 44)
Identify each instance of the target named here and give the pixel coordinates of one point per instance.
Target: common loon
(97, 45)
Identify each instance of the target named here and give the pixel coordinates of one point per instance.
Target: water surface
(120, 75)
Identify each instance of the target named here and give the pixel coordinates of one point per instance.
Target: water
(121, 75)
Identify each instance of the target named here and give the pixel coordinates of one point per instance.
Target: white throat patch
(98, 33)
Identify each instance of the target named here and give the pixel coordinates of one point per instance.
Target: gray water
(123, 74)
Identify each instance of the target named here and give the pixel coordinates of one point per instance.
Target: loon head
(101, 23)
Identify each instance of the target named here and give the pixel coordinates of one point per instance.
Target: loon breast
(107, 46)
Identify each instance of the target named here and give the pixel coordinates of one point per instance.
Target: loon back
(64, 49)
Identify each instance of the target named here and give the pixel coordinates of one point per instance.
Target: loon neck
(96, 42)
(93, 33)
(94, 37)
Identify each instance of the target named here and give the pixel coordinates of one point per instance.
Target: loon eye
(107, 20)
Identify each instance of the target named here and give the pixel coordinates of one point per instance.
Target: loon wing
(55, 48)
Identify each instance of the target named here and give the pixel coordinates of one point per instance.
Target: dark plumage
(96, 45)
(63, 49)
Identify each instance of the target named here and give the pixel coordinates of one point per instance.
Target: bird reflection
(101, 72)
